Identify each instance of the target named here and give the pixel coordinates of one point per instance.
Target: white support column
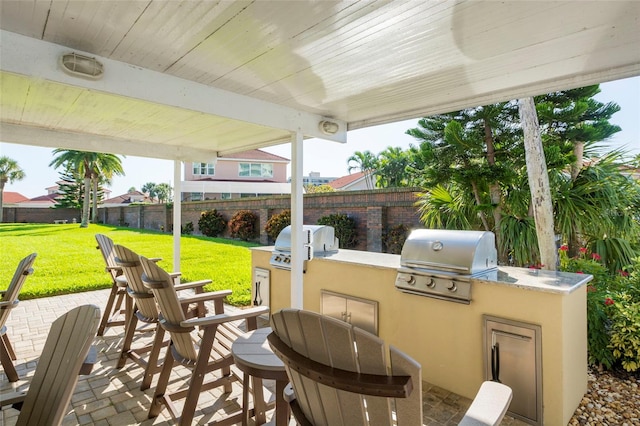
(177, 213)
(297, 218)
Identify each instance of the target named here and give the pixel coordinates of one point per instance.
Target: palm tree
(10, 172)
(105, 167)
(366, 162)
(92, 166)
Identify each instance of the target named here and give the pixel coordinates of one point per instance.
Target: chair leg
(154, 355)
(130, 328)
(7, 364)
(7, 345)
(161, 387)
(107, 310)
(197, 378)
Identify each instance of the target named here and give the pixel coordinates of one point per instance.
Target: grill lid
(320, 238)
(459, 252)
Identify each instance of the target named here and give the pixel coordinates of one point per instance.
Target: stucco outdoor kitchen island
(448, 338)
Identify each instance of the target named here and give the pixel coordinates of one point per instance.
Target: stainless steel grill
(441, 263)
(319, 240)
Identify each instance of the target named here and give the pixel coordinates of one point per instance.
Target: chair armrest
(155, 259)
(489, 405)
(11, 398)
(223, 318)
(203, 297)
(193, 284)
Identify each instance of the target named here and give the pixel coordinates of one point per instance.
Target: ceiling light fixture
(328, 127)
(81, 66)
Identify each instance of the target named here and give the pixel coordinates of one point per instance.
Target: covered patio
(193, 81)
(113, 397)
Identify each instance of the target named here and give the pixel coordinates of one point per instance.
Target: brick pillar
(264, 217)
(374, 229)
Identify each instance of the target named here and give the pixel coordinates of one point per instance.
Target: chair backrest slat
(129, 262)
(161, 284)
(65, 349)
(105, 244)
(339, 345)
(13, 290)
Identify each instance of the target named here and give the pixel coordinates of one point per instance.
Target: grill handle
(433, 265)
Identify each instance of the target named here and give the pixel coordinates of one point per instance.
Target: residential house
(12, 198)
(353, 182)
(127, 199)
(243, 174)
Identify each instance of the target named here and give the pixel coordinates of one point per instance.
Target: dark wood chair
(8, 301)
(114, 310)
(46, 402)
(141, 307)
(203, 353)
(339, 376)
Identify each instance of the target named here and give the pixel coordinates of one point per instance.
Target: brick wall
(374, 212)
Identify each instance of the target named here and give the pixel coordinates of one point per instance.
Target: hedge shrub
(277, 223)
(394, 239)
(344, 227)
(243, 225)
(211, 223)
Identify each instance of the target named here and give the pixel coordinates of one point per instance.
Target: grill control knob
(452, 287)
(431, 283)
(411, 280)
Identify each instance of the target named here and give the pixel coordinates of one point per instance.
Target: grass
(68, 261)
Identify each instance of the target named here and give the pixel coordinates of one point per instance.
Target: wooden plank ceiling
(198, 79)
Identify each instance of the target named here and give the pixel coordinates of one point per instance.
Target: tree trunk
(539, 184)
(573, 241)
(494, 192)
(94, 210)
(84, 223)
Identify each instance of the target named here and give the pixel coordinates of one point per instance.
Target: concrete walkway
(113, 397)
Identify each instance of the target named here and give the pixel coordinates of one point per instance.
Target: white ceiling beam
(38, 136)
(40, 59)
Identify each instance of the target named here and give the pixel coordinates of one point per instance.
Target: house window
(225, 196)
(204, 169)
(196, 196)
(255, 170)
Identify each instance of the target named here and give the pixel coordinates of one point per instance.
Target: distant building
(127, 199)
(353, 182)
(243, 174)
(314, 179)
(10, 198)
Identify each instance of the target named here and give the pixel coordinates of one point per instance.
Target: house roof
(9, 197)
(347, 180)
(255, 154)
(202, 79)
(127, 198)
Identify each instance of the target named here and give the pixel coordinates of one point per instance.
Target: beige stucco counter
(445, 337)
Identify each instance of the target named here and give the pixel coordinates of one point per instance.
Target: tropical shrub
(277, 223)
(613, 310)
(394, 239)
(243, 225)
(211, 223)
(187, 228)
(344, 227)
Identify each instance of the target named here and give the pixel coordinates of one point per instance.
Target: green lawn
(69, 262)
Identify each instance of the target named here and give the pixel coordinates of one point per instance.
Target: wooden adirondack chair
(46, 401)
(339, 376)
(142, 307)
(113, 311)
(208, 354)
(8, 301)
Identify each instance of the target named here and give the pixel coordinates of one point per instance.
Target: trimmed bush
(211, 223)
(187, 228)
(394, 239)
(277, 223)
(243, 225)
(345, 228)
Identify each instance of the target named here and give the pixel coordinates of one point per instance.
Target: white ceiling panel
(208, 77)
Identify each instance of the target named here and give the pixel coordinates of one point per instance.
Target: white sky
(328, 158)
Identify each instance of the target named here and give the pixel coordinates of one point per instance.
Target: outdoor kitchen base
(446, 337)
